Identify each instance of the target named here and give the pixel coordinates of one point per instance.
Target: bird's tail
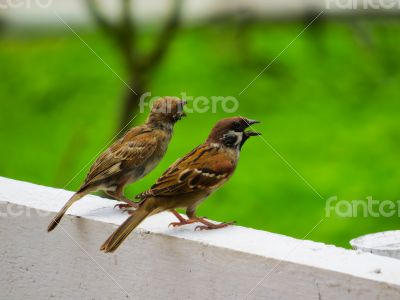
(119, 235)
(63, 210)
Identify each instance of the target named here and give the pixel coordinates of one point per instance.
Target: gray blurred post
(382, 243)
(139, 65)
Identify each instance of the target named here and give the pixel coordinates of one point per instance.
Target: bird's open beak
(251, 122)
(250, 133)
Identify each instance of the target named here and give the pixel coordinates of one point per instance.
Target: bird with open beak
(132, 157)
(190, 180)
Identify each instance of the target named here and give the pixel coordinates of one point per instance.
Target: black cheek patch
(229, 140)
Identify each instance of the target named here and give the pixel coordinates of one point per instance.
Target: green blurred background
(329, 106)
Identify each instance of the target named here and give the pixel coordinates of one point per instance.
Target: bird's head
(167, 111)
(231, 132)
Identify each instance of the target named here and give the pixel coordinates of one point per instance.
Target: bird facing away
(132, 157)
(187, 182)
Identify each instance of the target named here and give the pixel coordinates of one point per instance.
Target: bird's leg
(191, 213)
(182, 220)
(119, 196)
(194, 219)
(209, 226)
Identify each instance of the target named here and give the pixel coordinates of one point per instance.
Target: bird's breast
(153, 160)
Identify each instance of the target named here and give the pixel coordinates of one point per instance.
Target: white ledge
(158, 262)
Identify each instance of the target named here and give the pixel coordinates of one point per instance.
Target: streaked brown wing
(206, 167)
(133, 149)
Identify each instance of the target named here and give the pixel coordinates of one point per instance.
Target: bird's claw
(120, 206)
(125, 207)
(215, 226)
(176, 224)
(201, 227)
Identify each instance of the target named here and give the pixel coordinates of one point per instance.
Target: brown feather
(131, 157)
(53, 224)
(119, 235)
(194, 172)
(189, 180)
(133, 149)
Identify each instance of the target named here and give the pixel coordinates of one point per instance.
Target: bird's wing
(132, 149)
(206, 167)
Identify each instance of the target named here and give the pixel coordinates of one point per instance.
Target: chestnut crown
(231, 131)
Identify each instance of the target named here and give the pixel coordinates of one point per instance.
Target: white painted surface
(74, 11)
(157, 262)
(382, 243)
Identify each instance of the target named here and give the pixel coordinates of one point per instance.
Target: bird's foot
(183, 221)
(180, 223)
(211, 226)
(126, 207)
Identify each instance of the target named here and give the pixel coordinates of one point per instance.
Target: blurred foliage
(329, 105)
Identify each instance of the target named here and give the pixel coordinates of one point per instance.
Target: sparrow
(131, 157)
(191, 179)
